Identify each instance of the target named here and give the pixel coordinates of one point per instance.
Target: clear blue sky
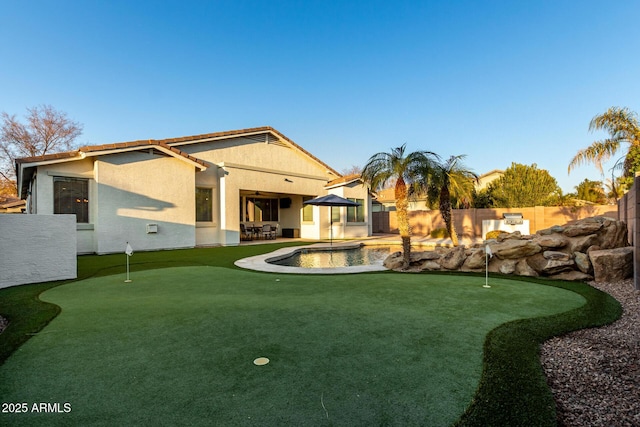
(499, 81)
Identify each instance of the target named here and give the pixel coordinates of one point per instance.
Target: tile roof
(108, 147)
(344, 179)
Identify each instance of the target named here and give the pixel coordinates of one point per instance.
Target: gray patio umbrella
(331, 200)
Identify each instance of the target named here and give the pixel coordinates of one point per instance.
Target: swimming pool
(332, 258)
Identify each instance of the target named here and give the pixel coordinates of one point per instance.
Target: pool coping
(260, 262)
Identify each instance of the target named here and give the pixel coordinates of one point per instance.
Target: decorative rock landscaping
(588, 249)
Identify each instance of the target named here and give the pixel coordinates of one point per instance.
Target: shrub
(493, 234)
(439, 233)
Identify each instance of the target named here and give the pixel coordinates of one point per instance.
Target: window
(204, 206)
(307, 210)
(356, 213)
(335, 213)
(71, 196)
(259, 209)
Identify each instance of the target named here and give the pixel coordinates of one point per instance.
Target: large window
(204, 205)
(71, 196)
(335, 213)
(307, 210)
(259, 209)
(356, 213)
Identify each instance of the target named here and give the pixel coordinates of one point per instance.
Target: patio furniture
(274, 231)
(245, 234)
(266, 231)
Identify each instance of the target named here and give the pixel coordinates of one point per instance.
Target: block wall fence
(468, 222)
(628, 212)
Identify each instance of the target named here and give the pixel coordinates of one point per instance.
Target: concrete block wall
(37, 248)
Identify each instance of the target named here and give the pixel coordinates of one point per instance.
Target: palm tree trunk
(446, 212)
(402, 205)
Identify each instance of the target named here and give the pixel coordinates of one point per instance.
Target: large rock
(395, 261)
(430, 266)
(551, 241)
(572, 276)
(583, 227)
(582, 243)
(476, 260)
(549, 266)
(418, 257)
(612, 265)
(613, 235)
(454, 259)
(513, 249)
(523, 269)
(582, 262)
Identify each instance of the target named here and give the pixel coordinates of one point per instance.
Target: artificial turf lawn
(176, 346)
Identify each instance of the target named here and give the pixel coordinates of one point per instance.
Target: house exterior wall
(135, 189)
(41, 199)
(37, 248)
(249, 165)
(350, 230)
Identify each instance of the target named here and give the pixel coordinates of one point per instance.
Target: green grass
(176, 345)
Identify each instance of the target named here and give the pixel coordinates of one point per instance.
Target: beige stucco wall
(247, 165)
(42, 197)
(37, 248)
(468, 222)
(135, 189)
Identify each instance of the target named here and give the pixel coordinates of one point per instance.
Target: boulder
(551, 241)
(583, 227)
(582, 243)
(453, 259)
(611, 265)
(508, 266)
(551, 230)
(423, 256)
(475, 260)
(512, 249)
(572, 276)
(523, 269)
(582, 262)
(547, 267)
(613, 235)
(430, 266)
(395, 261)
(556, 255)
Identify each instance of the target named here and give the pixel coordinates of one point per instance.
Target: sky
(497, 81)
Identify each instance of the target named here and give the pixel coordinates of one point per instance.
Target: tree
(622, 126)
(353, 170)
(591, 191)
(46, 131)
(523, 186)
(446, 181)
(406, 170)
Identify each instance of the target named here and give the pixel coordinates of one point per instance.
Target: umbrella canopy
(331, 200)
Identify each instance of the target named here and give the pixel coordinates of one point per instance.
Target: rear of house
(191, 191)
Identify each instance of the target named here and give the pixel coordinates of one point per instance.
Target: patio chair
(266, 231)
(245, 234)
(274, 231)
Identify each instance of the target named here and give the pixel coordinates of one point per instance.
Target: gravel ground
(595, 373)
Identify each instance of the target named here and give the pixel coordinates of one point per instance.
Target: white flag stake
(487, 254)
(128, 251)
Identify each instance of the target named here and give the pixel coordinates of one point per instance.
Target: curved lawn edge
(513, 389)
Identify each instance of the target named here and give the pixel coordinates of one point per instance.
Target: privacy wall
(468, 222)
(37, 248)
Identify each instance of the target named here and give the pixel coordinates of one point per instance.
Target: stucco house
(191, 191)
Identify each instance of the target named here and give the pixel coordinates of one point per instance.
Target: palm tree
(622, 126)
(449, 180)
(404, 170)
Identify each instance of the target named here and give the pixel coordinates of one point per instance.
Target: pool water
(365, 255)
